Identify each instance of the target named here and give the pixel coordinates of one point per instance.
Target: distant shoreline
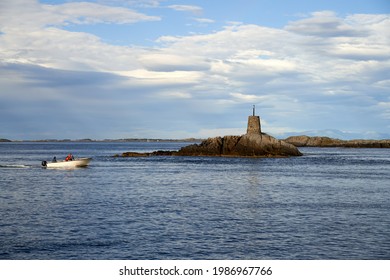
(298, 141)
(191, 140)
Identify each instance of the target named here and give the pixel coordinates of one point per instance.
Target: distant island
(192, 140)
(320, 141)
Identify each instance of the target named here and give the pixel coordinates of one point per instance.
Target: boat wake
(14, 166)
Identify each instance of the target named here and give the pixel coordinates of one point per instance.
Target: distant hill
(337, 134)
(4, 140)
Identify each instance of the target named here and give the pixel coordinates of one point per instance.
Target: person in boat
(69, 157)
(54, 159)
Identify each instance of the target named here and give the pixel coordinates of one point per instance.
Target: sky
(112, 69)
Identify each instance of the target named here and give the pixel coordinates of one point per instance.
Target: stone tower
(253, 124)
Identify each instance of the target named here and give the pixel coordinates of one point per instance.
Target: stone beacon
(253, 124)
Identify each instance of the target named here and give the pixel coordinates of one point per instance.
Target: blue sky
(177, 69)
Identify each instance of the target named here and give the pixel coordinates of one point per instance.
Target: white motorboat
(77, 162)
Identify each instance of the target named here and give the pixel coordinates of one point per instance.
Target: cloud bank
(318, 72)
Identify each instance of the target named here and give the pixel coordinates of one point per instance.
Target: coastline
(327, 142)
(190, 140)
(297, 141)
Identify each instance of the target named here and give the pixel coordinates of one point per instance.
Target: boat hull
(79, 162)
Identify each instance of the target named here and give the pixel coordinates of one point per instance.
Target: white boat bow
(78, 162)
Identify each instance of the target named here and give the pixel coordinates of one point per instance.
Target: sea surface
(331, 203)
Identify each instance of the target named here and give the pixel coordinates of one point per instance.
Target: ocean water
(331, 203)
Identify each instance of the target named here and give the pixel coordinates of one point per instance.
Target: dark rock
(162, 153)
(252, 144)
(208, 147)
(306, 141)
(155, 153)
(135, 154)
(248, 145)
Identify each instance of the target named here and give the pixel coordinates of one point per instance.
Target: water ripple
(328, 204)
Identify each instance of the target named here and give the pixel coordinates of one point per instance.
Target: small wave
(13, 166)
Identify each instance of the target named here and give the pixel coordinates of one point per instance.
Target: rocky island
(247, 145)
(252, 144)
(317, 141)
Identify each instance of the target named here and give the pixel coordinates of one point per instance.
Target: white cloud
(23, 15)
(143, 77)
(176, 95)
(167, 62)
(318, 72)
(323, 24)
(91, 13)
(187, 8)
(251, 98)
(60, 49)
(204, 20)
(133, 3)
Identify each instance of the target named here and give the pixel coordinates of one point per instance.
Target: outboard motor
(44, 163)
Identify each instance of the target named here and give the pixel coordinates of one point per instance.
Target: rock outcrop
(155, 153)
(252, 144)
(306, 141)
(247, 145)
